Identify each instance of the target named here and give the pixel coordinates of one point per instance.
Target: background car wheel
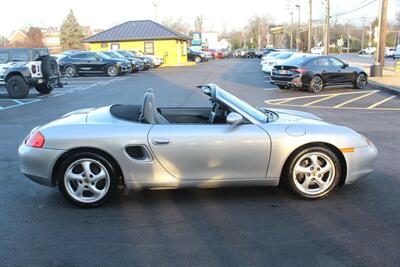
(197, 59)
(361, 81)
(86, 180)
(70, 71)
(316, 84)
(17, 87)
(283, 87)
(112, 71)
(43, 88)
(312, 172)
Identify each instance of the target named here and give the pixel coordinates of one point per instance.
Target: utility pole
(291, 27)
(348, 39)
(326, 33)
(297, 30)
(309, 25)
(362, 37)
(382, 26)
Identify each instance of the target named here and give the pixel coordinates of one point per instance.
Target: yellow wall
(168, 49)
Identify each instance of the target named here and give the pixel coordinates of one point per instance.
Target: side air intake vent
(138, 153)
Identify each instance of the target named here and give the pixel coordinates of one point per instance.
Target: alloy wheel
(313, 173)
(70, 72)
(87, 180)
(112, 71)
(317, 84)
(361, 81)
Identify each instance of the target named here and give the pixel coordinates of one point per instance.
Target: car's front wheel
(361, 81)
(70, 71)
(197, 59)
(312, 172)
(316, 84)
(112, 71)
(86, 180)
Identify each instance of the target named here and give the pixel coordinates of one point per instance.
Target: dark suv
(92, 63)
(24, 68)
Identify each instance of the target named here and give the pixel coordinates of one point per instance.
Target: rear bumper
(37, 163)
(289, 81)
(360, 163)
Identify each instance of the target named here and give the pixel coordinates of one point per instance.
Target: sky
(217, 14)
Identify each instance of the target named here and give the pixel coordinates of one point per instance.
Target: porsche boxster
(88, 152)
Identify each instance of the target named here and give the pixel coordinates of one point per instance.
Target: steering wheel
(213, 113)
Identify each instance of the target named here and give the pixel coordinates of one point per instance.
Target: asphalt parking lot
(357, 225)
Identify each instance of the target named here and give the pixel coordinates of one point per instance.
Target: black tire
(283, 87)
(61, 176)
(316, 84)
(49, 66)
(361, 81)
(113, 71)
(70, 71)
(17, 87)
(43, 88)
(289, 172)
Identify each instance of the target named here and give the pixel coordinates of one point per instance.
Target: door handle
(160, 141)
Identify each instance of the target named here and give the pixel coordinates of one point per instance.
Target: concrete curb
(384, 87)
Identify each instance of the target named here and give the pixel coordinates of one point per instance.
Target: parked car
(24, 68)
(276, 60)
(216, 54)
(196, 55)
(319, 50)
(143, 146)
(93, 63)
(147, 61)
(396, 53)
(135, 63)
(367, 51)
(389, 51)
(315, 72)
(151, 59)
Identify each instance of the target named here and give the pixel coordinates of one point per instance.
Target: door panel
(201, 152)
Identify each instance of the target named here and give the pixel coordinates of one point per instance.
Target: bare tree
(177, 24)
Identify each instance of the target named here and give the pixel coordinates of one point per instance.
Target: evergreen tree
(71, 33)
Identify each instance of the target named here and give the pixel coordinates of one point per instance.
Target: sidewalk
(389, 81)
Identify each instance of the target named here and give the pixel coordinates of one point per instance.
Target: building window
(104, 45)
(149, 48)
(114, 46)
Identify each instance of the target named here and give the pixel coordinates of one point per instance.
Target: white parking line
(381, 102)
(355, 99)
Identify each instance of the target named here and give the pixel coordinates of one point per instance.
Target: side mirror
(234, 118)
(345, 65)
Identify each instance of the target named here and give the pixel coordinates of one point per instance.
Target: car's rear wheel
(312, 172)
(43, 88)
(316, 84)
(112, 71)
(17, 87)
(197, 59)
(70, 71)
(361, 81)
(86, 180)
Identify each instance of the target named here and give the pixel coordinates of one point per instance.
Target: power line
(354, 9)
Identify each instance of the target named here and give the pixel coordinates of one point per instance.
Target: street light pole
(297, 31)
(291, 28)
(309, 25)
(326, 33)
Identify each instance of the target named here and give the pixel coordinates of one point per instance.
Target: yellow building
(146, 36)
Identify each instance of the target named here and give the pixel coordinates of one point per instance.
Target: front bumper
(360, 162)
(37, 163)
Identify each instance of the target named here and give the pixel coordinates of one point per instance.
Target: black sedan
(314, 72)
(196, 55)
(93, 63)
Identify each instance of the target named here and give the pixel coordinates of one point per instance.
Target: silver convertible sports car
(88, 152)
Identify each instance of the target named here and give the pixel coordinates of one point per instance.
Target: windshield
(103, 55)
(246, 107)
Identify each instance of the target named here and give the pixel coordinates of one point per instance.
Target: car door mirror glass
(345, 65)
(234, 118)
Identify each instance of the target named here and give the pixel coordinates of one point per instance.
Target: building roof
(137, 30)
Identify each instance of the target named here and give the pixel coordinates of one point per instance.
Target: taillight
(35, 140)
(33, 68)
(301, 71)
